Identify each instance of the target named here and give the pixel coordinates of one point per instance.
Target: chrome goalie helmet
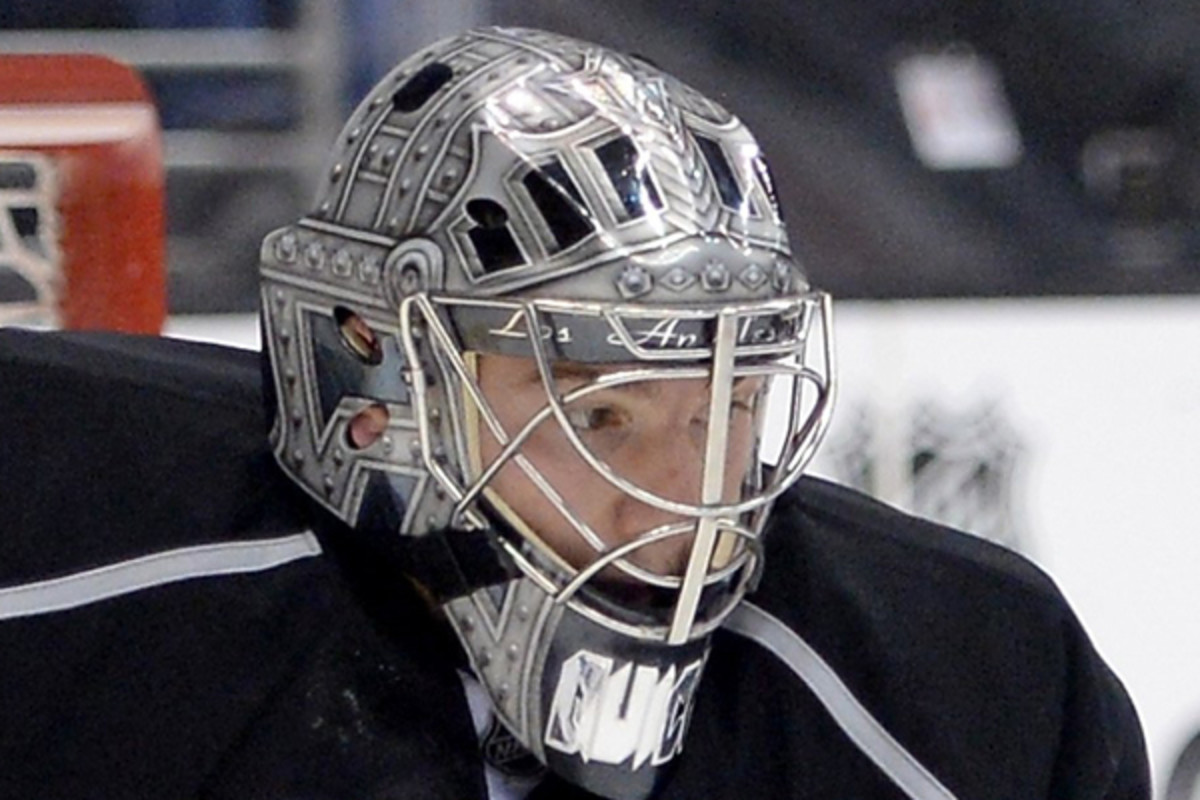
(555, 283)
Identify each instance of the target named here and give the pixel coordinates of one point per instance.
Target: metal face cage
(767, 341)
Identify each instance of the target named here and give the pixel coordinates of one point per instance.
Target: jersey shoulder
(828, 537)
(117, 446)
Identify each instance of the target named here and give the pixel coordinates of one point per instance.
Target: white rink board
(1104, 395)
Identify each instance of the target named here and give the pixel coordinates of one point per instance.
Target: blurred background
(1004, 196)
(1071, 167)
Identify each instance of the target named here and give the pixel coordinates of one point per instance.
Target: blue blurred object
(204, 14)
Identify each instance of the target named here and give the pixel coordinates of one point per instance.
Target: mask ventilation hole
(493, 241)
(358, 336)
(417, 90)
(722, 172)
(558, 199)
(630, 178)
(365, 427)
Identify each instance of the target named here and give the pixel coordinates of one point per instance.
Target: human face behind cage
(628, 481)
(651, 432)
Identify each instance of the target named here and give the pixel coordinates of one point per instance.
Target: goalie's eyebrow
(574, 370)
(578, 372)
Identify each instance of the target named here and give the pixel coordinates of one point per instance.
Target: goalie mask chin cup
(517, 193)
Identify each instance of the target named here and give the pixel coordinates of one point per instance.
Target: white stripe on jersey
(156, 569)
(909, 775)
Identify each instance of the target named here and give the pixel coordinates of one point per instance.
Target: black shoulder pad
(115, 446)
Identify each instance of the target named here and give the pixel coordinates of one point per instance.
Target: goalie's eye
(596, 418)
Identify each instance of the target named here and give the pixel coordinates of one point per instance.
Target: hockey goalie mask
(553, 283)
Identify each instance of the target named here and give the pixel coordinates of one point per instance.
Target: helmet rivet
(781, 277)
(328, 483)
(376, 103)
(468, 623)
(409, 281)
(298, 457)
(352, 137)
(343, 263)
(435, 415)
(314, 255)
(754, 276)
(513, 653)
(485, 658)
(389, 156)
(336, 172)
(523, 613)
(679, 279)
(286, 248)
(634, 281)
(339, 456)
(503, 691)
(387, 444)
(369, 270)
(715, 277)
(289, 375)
(297, 418)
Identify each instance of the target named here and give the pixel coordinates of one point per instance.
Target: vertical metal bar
(713, 483)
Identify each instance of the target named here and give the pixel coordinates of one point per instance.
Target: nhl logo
(956, 468)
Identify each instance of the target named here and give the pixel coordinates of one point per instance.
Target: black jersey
(178, 621)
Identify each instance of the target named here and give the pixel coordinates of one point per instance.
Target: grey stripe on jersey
(156, 569)
(863, 729)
